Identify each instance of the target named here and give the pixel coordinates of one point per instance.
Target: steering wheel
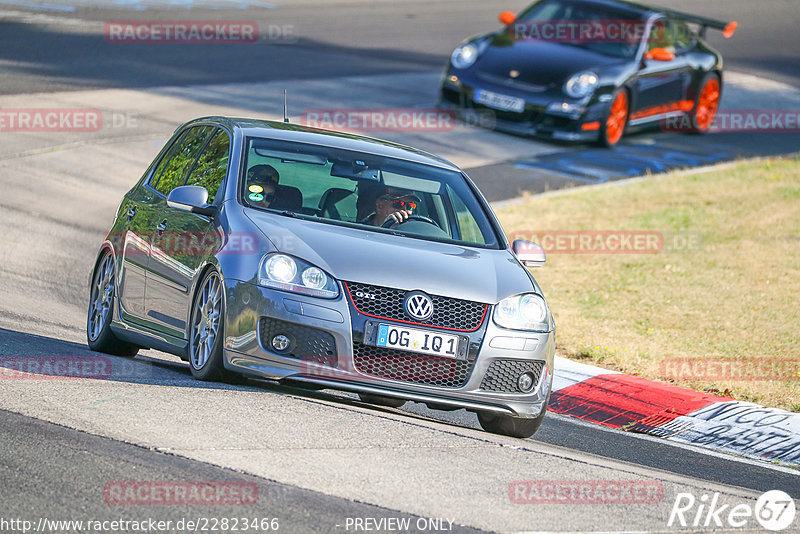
(388, 223)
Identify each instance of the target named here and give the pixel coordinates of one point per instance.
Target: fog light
(280, 342)
(525, 382)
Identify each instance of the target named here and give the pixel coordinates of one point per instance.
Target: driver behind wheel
(395, 204)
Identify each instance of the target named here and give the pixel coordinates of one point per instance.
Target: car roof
(299, 133)
(631, 8)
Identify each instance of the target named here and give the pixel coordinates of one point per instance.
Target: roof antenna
(285, 118)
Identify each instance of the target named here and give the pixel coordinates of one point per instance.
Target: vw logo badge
(418, 305)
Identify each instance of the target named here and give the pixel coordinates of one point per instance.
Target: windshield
(363, 190)
(601, 29)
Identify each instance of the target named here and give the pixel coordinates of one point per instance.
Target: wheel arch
(211, 264)
(106, 246)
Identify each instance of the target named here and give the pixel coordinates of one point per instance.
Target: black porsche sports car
(588, 70)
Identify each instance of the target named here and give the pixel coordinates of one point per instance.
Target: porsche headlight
(522, 312)
(289, 274)
(581, 84)
(466, 54)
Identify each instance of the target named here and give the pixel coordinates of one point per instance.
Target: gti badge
(418, 305)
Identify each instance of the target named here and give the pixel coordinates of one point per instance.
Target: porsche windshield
(369, 191)
(587, 25)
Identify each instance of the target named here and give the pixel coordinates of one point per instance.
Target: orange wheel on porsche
(617, 118)
(705, 109)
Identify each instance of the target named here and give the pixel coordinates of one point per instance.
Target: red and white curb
(634, 404)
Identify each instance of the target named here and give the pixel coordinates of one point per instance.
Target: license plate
(415, 340)
(498, 101)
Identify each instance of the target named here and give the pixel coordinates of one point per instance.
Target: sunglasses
(399, 204)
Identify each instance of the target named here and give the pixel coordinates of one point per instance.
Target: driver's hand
(399, 216)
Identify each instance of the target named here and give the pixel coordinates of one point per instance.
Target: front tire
(207, 329)
(507, 425)
(99, 336)
(617, 119)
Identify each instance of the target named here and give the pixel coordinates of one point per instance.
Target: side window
(661, 36)
(182, 160)
(212, 166)
(684, 37)
(163, 163)
(470, 231)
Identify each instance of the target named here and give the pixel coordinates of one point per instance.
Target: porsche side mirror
(506, 17)
(660, 54)
(192, 198)
(530, 254)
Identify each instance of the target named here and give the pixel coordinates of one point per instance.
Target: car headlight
(289, 274)
(581, 84)
(467, 54)
(522, 312)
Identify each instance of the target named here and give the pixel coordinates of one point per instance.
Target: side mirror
(506, 17)
(660, 54)
(530, 254)
(192, 198)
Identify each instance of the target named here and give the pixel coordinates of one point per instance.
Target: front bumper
(251, 307)
(537, 119)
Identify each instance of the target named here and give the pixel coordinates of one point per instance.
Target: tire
(618, 112)
(207, 323)
(380, 400)
(706, 103)
(99, 336)
(507, 425)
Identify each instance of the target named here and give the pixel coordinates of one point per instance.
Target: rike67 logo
(774, 510)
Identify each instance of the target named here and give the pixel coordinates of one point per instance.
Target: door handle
(161, 227)
(131, 213)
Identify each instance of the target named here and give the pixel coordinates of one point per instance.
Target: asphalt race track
(319, 459)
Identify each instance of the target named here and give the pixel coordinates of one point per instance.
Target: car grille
(409, 367)
(502, 375)
(449, 313)
(309, 344)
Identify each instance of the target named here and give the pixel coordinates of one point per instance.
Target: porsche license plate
(415, 340)
(498, 101)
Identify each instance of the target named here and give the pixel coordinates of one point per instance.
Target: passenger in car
(262, 181)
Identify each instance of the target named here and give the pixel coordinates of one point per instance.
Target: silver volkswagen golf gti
(328, 260)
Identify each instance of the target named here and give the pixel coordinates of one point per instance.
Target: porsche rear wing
(727, 28)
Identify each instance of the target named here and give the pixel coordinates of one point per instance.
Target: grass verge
(712, 304)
